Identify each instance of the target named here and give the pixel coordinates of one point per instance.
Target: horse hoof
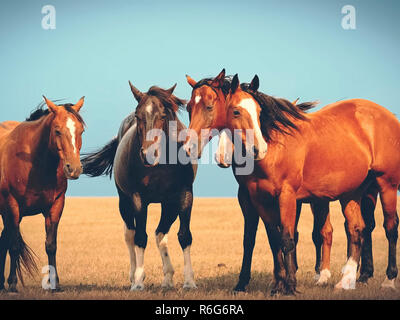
(167, 285)
(323, 278)
(56, 290)
(240, 287)
(137, 287)
(290, 291)
(239, 290)
(388, 284)
(278, 289)
(363, 278)
(12, 290)
(189, 286)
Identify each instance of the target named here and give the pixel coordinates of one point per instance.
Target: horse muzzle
(72, 172)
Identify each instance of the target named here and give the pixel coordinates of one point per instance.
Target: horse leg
(126, 211)
(322, 238)
(288, 204)
(168, 217)
(52, 218)
(388, 196)
(4, 245)
(274, 238)
(296, 233)
(351, 209)
(251, 219)
(185, 236)
(140, 215)
(368, 204)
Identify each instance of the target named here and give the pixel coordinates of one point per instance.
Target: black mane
(276, 112)
(207, 82)
(42, 111)
(169, 101)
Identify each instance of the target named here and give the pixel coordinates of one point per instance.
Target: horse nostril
(69, 168)
(255, 151)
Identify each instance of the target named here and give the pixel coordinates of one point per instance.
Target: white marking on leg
(130, 242)
(389, 283)
(71, 127)
(197, 99)
(139, 272)
(188, 270)
(349, 272)
(251, 108)
(168, 270)
(324, 276)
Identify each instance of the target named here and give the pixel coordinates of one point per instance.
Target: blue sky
(297, 48)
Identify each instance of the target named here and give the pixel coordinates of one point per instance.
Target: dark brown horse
(207, 111)
(347, 151)
(145, 173)
(37, 157)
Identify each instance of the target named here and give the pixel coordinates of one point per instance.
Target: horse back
(7, 127)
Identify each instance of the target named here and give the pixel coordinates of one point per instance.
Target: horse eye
(209, 108)
(58, 133)
(236, 112)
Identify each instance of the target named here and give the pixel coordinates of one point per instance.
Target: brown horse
(37, 157)
(207, 111)
(347, 151)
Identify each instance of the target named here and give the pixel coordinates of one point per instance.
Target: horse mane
(276, 112)
(42, 111)
(207, 82)
(169, 100)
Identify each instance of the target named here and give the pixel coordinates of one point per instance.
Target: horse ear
(219, 79)
(171, 90)
(235, 83)
(191, 81)
(295, 101)
(136, 93)
(51, 105)
(255, 83)
(79, 104)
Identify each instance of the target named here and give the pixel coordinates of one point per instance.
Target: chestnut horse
(37, 157)
(142, 179)
(207, 112)
(347, 151)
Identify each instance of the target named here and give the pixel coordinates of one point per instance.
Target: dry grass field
(93, 258)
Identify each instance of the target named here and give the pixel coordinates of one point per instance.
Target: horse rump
(101, 162)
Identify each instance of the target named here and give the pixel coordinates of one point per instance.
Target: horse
(347, 151)
(37, 157)
(207, 112)
(141, 180)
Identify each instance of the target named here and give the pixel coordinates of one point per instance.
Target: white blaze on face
(71, 128)
(225, 149)
(197, 99)
(251, 108)
(149, 108)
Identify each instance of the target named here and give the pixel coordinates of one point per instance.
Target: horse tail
(100, 162)
(22, 253)
(25, 259)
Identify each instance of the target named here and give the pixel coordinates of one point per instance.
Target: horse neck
(38, 138)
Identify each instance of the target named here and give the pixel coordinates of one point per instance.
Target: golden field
(93, 259)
